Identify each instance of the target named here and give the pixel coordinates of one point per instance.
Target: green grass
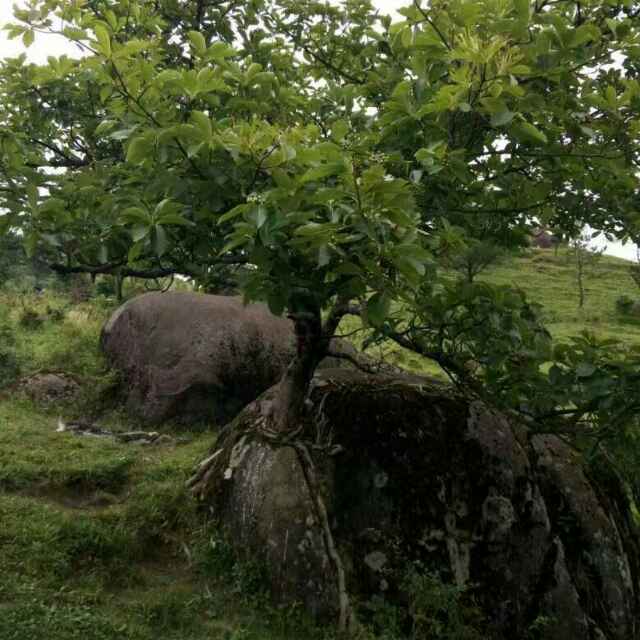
(64, 337)
(102, 540)
(549, 280)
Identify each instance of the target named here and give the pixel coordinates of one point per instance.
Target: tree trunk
(294, 384)
(119, 284)
(580, 273)
(470, 274)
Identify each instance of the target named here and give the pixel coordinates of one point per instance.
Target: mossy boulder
(413, 475)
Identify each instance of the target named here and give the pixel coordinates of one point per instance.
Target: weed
(438, 609)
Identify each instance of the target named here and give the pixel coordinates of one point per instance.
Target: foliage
(492, 343)
(434, 609)
(584, 258)
(18, 270)
(9, 365)
(201, 148)
(625, 305)
(437, 609)
(475, 258)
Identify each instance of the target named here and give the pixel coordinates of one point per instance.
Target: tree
(475, 258)
(333, 154)
(634, 269)
(584, 259)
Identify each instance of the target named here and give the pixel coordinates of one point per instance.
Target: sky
(45, 46)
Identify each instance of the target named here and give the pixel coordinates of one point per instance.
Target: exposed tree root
(308, 468)
(219, 466)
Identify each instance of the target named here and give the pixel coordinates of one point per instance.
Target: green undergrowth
(102, 540)
(50, 333)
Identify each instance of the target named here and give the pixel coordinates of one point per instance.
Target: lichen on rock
(512, 517)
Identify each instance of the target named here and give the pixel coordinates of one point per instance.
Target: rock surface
(48, 388)
(425, 476)
(192, 356)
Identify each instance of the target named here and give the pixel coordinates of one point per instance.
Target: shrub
(30, 318)
(105, 287)
(9, 365)
(626, 306)
(440, 610)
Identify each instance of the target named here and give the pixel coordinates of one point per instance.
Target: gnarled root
(211, 474)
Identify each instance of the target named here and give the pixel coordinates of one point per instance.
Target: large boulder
(189, 356)
(425, 478)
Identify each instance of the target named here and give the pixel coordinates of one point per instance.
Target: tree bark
(119, 281)
(294, 384)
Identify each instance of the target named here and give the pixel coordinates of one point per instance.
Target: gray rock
(513, 518)
(49, 388)
(190, 356)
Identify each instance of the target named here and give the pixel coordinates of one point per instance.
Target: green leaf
(203, 123)
(111, 19)
(324, 256)
(160, 241)
(135, 251)
(234, 213)
(28, 37)
(522, 8)
(377, 310)
(585, 33)
(138, 232)
(339, 129)
(234, 243)
(174, 218)
(219, 51)
(103, 40)
(323, 171)
(198, 43)
(135, 215)
(104, 127)
(139, 150)
(585, 370)
(526, 132)
(261, 216)
(169, 75)
(502, 118)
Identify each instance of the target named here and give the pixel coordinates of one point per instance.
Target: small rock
(48, 388)
(375, 560)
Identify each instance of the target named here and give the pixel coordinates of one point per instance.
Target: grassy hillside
(550, 280)
(101, 540)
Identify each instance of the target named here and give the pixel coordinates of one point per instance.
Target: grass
(101, 539)
(549, 280)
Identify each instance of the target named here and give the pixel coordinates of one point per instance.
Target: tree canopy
(329, 159)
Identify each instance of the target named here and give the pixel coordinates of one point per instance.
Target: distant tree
(584, 258)
(474, 258)
(634, 269)
(11, 255)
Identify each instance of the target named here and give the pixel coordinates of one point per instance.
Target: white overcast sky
(45, 46)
